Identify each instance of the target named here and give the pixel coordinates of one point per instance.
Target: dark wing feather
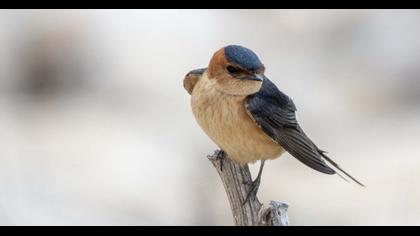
(274, 112)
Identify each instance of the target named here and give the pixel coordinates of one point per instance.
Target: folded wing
(274, 112)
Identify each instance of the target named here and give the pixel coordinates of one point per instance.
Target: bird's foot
(254, 185)
(218, 155)
(221, 155)
(253, 190)
(214, 156)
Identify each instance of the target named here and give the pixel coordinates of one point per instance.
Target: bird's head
(236, 70)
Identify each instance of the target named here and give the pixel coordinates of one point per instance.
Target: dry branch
(237, 182)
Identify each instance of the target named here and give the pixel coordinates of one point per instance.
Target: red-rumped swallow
(246, 115)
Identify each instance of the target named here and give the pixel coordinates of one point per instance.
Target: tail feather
(339, 168)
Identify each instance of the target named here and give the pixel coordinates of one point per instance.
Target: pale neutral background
(96, 128)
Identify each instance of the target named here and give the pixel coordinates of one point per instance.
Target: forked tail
(339, 168)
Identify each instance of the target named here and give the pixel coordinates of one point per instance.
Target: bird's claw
(246, 182)
(253, 190)
(221, 156)
(215, 155)
(218, 154)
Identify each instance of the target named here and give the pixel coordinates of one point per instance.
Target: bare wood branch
(237, 182)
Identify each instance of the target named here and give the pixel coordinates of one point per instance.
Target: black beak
(255, 77)
(196, 72)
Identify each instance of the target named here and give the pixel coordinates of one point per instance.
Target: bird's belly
(224, 119)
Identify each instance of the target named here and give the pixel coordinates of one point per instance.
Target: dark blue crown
(242, 56)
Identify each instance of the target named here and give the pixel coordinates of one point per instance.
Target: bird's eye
(232, 69)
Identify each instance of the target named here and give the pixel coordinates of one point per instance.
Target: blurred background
(96, 127)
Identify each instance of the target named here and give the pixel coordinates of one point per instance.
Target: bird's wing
(274, 113)
(191, 79)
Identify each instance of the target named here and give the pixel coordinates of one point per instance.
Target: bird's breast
(224, 119)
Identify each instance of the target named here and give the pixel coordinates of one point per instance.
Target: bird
(247, 116)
